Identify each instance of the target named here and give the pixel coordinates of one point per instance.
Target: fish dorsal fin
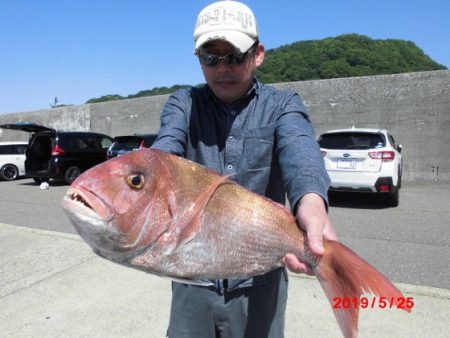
(186, 227)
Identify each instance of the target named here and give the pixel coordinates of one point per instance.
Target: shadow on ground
(356, 200)
(53, 183)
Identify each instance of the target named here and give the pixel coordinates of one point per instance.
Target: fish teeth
(78, 198)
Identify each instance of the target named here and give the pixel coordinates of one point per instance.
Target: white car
(363, 160)
(12, 160)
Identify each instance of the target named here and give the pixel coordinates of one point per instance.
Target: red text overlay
(406, 303)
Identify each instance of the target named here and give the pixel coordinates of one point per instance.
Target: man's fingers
(329, 232)
(314, 232)
(294, 265)
(312, 217)
(315, 243)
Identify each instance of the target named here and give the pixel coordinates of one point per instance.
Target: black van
(60, 155)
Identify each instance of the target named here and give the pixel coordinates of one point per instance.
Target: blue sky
(77, 50)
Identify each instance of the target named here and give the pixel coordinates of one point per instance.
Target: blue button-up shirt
(265, 139)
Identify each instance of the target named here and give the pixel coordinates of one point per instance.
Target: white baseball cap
(231, 21)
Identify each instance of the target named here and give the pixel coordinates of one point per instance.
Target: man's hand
(313, 218)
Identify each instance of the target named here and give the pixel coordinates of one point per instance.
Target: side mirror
(399, 148)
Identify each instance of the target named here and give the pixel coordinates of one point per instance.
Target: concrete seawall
(415, 107)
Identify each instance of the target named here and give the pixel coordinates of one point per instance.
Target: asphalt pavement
(409, 244)
(52, 285)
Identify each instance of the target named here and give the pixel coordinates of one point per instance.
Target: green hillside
(343, 56)
(150, 92)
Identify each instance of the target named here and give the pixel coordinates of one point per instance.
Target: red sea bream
(168, 216)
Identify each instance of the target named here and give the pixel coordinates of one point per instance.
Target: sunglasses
(234, 58)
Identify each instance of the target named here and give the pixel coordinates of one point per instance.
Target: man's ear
(260, 52)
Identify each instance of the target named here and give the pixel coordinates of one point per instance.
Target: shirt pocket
(258, 147)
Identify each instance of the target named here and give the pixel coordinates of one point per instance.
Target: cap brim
(240, 40)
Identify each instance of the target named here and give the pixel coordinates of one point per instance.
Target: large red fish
(172, 217)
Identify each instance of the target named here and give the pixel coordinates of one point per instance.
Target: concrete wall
(415, 107)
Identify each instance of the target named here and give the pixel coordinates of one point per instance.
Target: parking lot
(410, 243)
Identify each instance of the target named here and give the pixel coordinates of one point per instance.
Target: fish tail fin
(344, 275)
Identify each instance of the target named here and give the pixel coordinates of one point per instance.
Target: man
(261, 135)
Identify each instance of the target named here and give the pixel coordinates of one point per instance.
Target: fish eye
(136, 181)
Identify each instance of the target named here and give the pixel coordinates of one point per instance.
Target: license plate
(346, 163)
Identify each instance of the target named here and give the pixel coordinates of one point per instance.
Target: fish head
(119, 207)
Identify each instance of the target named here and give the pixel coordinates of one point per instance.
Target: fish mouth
(93, 219)
(88, 203)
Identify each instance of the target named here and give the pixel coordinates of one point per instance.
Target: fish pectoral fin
(188, 225)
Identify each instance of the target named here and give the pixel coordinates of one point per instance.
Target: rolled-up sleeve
(173, 133)
(298, 152)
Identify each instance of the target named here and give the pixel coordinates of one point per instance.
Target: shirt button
(233, 112)
(229, 167)
(231, 138)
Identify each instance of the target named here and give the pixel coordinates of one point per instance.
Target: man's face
(230, 82)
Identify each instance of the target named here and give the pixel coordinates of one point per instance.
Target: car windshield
(352, 140)
(126, 144)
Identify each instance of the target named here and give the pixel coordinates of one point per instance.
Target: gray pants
(253, 312)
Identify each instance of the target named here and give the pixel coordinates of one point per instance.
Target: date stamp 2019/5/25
(405, 303)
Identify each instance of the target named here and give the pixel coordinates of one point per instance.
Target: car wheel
(71, 174)
(9, 172)
(393, 198)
